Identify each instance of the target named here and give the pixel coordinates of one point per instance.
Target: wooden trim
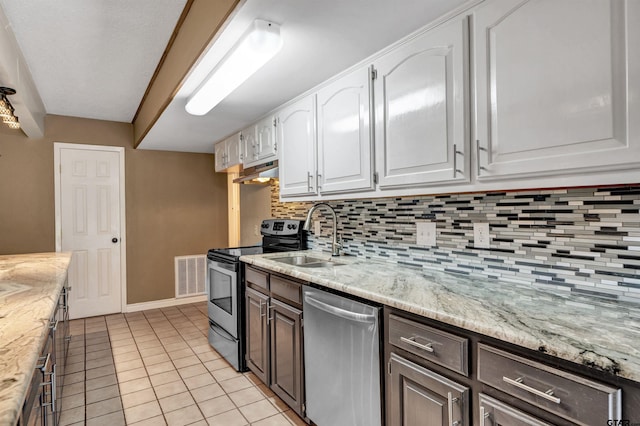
(181, 19)
(179, 83)
(233, 206)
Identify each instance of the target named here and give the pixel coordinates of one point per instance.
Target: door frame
(57, 150)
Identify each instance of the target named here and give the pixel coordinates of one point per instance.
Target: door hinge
(374, 73)
(375, 178)
(302, 322)
(389, 367)
(275, 121)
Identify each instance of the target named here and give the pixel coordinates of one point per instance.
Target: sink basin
(307, 262)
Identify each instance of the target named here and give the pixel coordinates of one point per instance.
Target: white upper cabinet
(228, 153)
(260, 142)
(344, 134)
(421, 96)
(296, 138)
(557, 87)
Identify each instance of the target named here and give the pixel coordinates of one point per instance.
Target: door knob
(114, 240)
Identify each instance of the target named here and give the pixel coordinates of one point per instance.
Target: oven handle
(220, 332)
(222, 265)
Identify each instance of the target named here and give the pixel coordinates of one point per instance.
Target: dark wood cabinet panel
(257, 334)
(286, 354)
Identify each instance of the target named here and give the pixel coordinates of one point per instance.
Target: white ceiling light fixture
(259, 43)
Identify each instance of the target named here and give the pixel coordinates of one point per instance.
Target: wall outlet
(426, 233)
(316, 227)
(481, 237)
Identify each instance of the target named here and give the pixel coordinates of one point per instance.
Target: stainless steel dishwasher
(342, 360)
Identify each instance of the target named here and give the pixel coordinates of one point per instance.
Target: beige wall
(175, 202)
(255, 206)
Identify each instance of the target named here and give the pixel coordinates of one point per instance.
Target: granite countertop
(29, 288)
(595, 332)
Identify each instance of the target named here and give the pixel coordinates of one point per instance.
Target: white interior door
(90, 222)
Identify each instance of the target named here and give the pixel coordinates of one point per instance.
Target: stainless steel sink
(307, 261)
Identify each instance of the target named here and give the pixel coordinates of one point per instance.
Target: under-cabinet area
(274, 349)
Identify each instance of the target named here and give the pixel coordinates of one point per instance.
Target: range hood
(261, 173)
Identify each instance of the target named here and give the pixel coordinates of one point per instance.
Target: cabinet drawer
(575, 398)
(494, 412)
(257, 279)
(432, 344)
(287, 289)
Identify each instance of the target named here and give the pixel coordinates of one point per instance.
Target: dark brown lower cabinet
(419, 396)
(257, 355)
(286, 354)
(274, 350)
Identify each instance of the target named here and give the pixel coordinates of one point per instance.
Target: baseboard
(164, 303)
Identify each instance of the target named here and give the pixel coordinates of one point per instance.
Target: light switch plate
(426, 233)
(316, 227)
(481, 237)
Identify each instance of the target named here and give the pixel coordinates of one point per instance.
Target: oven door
(222, 291)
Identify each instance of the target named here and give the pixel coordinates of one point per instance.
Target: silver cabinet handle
(450, 401)
(519, 383)
(478, 149)
(412, 341)
(270, 309)
(318, 176)
(309, 181)
(261, 305)
(483, 415)
(455, 160)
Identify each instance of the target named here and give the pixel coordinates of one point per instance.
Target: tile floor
(156, 368)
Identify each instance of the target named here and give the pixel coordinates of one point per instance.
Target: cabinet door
(494, 412)
(234, 150)
(286, 354)
(296, 132)
(220, 154)
(421, 109)
(419, 397)
(554, 88)
(257, 355)
(265, 132)
(344, 136)
(251, 148)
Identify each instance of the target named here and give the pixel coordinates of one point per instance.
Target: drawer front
(435, 345)
(575, 398)
(286, 289)
(256, 279)
(494, 412)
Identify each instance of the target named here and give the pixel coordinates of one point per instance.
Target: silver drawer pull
(483, 415)
(412, 341)
(548, 395)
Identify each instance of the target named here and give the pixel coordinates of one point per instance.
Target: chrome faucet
(335, 245)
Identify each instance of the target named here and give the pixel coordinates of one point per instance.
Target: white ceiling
(92, 58)
(95, 58)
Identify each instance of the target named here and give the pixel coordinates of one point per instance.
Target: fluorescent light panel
(255, 48)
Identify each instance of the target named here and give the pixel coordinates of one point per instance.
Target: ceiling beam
(14, 73)
(198, 25)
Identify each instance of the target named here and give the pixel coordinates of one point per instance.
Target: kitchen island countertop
(29, 289)
(598, 333)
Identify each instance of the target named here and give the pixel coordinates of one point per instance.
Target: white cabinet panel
(251, 147)
(228, 152)
(421, 109)
(296, 131)
(344, 136)
(552, 88)
(266, 138)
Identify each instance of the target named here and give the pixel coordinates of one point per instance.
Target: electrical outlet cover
(481, 237)
(426, 233)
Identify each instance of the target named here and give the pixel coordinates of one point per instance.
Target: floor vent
(191, 273)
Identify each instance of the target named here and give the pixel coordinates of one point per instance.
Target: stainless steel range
(225, 288)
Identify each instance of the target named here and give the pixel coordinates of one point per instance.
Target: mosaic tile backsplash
(581, 240)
